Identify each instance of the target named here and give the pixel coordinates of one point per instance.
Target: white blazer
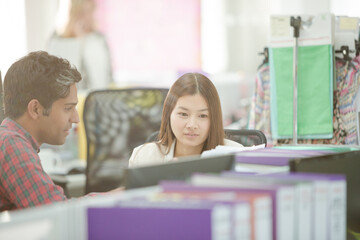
(152, 153)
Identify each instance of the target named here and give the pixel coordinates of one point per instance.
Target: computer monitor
(347, 163)
(178, 170)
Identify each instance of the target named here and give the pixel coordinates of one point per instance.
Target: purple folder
(272, 190)
(310, 176)
(264, 160)
(274, 157)
(149, 223)
(295, 151)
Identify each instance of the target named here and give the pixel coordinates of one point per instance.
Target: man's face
(54, 128)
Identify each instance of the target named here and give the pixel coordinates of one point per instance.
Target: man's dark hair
(40, 76)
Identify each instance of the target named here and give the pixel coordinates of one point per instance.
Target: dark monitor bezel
(181, 169)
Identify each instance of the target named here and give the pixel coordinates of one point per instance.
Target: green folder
(320, 147)
(315, 92)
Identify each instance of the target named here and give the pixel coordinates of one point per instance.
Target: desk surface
(73, 184)
(64, 167)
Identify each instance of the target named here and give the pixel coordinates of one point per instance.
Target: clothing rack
(283, 124)
(296, 24)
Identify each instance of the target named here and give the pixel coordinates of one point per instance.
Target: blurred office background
(153, 42)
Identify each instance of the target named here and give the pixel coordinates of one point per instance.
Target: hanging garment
(339, 134)
(315, 92)
(347, 82)
(259, 117)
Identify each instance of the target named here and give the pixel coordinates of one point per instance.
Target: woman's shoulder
(148, 153)
(151, 146)
(231, 143)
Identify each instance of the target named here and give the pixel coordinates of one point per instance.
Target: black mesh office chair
(116, 121)
(246, 137)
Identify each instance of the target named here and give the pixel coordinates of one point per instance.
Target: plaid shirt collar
(14, 126)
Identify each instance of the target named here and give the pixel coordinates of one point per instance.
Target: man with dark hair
(40, 99)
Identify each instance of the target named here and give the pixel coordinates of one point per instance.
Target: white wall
(25, 26)
(40, 22)
(12, 32)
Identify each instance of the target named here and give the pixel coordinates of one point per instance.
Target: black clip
(357, 47)
(346, 55)
(266, 57)
(296, 24)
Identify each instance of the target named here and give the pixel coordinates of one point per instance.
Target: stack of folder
(265, 205)
(231, 205)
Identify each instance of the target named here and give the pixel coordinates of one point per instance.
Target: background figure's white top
(90, 54)
(151, 153)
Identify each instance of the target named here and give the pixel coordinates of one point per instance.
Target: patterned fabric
(348, 82)
(23, 182)
(260, 106)
(260, 112)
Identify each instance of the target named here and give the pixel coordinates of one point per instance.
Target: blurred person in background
(79, 42)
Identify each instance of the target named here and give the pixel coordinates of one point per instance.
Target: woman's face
(190, 122)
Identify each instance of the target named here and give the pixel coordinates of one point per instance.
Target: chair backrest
(247, 137)
(116, 121)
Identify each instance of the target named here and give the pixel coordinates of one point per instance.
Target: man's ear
(34, 109)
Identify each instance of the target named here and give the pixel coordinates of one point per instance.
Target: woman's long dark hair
(192, 84)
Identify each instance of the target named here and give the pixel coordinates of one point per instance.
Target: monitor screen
(347, 163)
(180, 170)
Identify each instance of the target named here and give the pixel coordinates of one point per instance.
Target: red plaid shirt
(23, 182)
